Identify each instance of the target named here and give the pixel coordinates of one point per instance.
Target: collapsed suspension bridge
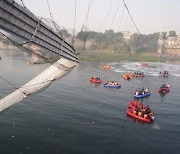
(30, 33)
(24, 30)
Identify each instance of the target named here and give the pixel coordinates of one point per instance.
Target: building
(126, 35)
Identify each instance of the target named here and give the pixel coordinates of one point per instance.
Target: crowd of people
(164, 74)
(142, 91)
(138, 73)
(96, 78)
(142, 111)
(164, 88)
(111, 83)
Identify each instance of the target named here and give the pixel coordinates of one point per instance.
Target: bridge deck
(24, 25)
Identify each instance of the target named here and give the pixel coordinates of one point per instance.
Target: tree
(64, 33)
(172, 34)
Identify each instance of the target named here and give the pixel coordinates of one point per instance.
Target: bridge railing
(22, 23)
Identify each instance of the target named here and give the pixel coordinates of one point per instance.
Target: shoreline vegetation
(115, 57)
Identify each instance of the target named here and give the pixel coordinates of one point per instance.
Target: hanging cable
(129, 27)
(55, 25)
(121, 18)
(23, 4)
(13, 85)
(74, 24)
(74, 18)
(125, 23)
(106, 16)
(115, 14)
(87, 15)
(130, 16)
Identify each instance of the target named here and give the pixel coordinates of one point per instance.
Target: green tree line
(114, 41)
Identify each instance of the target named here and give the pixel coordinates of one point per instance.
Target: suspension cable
(74, 18)
(126, 22)
(115, 14)
(106, 16)
(74, 24)
(87, 15)
(56, 27)
(121, 18)
(130, 16)
(13, 85)
(23, 4)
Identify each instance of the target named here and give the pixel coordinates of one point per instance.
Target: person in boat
(148, 110)
(92, 78)
(106, 82)
(145, 116)
(142, 89)
(140, 92)
(136, 92)
(146, 90)
(163, 86)
(97, 78)
(167, 86)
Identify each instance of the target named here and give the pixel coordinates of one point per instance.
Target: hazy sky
(149, 15)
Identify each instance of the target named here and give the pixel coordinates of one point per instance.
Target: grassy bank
(109, 57)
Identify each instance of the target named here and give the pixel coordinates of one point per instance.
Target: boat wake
(155, 126)
(152, 68)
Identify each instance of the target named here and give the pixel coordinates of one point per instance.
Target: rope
(58, 65)
(56, 27)
(121, 18)
(106, 16)
(87, 15)
(21, 45)
(130, 16)
(74, 24)
(125, 23)
(35, 31)
(13, 85)
(115, 14)
(23, 4)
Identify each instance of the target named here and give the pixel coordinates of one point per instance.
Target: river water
(75, 116)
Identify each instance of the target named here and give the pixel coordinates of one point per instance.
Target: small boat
(105, 67)
(165, 88)
(148, 118)
(127, 76)
(139, 111)
(144, 64)
(94, 80)
(164, 74)
(138, 74)
(112, 86)
(133, 104)
(142, 95)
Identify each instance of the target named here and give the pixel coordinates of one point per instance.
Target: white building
(126, 35)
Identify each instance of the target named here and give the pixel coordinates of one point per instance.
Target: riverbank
(109, 57)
